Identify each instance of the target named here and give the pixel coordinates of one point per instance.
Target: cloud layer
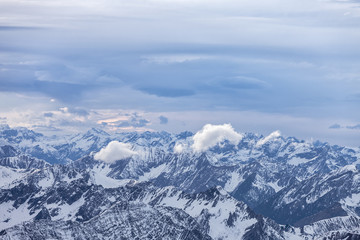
(210, 135)
(297, 58)
(169, 64)
(114, 151)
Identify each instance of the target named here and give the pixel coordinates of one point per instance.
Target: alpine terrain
(214, 184)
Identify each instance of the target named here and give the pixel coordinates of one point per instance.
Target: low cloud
(350, 127)
(210, 135)
(163, 120)
(134, 121)
(357, 126)
(126, 121)
(76, 111)
(272, 135)
(335, 126)
(178, 148)
(114, 151)
(48, 114)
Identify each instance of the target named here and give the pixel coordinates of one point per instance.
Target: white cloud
(64, 109)
(210, 135)
(178, 148)
(272, 135)
(114, 151)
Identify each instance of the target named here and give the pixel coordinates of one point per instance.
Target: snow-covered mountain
(249, 171)
(54, 149)
(10, 157)
(320, 197)
(14, 165)
(58, 201)
(310, 185)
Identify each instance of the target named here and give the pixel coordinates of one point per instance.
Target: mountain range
(158, 185)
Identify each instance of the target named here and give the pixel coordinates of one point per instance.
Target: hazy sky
(288, 65)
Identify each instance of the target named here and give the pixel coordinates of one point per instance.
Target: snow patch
(107, 182)
(153, 173)
(353, 200)
(12, 216)
(69, 180)
(47, 181)
(8, 176)
(233, 182)
(295, 161)
(275, 186)
(314, 197)
(66, 212)
(348, 168)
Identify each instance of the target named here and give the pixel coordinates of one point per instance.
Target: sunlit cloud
(114, 151)
(211, 135)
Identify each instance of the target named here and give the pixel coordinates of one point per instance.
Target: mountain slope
(322, 203)
(70, 198)
(120, 221)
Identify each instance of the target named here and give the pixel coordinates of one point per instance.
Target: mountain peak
(4, 127)
(96, 131)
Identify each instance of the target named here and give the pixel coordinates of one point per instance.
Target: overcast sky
(288, 65)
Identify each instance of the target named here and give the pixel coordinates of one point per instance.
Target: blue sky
(177, 65)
